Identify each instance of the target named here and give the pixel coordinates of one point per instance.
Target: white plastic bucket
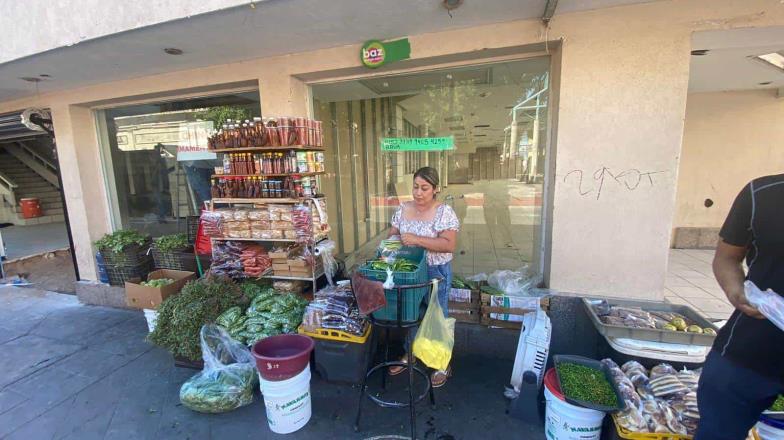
(766, 431)
(564, 421)
(151, 316)
(287, 402)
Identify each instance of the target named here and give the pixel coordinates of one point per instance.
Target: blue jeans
(731, 398)
(444, 272)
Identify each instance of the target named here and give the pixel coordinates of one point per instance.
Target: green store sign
(418, 144)
(375, 54)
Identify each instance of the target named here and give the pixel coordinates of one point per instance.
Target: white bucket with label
(564, 421)
(287, 402)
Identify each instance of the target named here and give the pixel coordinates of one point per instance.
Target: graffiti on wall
(592, 184)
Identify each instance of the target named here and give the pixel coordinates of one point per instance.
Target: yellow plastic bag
(436, 336)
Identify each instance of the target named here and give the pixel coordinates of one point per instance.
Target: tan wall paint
(623, 86)
(729, 138)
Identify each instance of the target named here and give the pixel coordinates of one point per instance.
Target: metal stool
(412, 400)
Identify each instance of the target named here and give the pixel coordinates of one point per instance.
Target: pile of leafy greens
(118, 241)
(181, 316)
(171, 243)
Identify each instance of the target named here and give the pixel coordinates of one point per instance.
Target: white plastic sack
(228, 378)
(514, 282)
(769, 303)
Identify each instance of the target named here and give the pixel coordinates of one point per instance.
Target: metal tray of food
(651, 334)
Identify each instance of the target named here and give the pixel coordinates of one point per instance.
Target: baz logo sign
(375, 54)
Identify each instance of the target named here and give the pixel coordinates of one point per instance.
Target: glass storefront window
(155, 170)
(497, 116)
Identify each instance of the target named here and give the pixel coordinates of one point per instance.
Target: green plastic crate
(412, 298)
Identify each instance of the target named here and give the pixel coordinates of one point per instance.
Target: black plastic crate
(180, 261)
(130, 256)
(343, 361)
(119, 274)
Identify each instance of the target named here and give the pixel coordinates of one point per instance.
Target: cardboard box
(300, 272)
(279, 255)
(298, 263)
(278, 267)
(143, 297)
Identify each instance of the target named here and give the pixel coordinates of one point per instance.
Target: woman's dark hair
(429, 175)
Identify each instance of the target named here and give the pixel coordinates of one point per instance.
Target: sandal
(439, 377)
(397, 369)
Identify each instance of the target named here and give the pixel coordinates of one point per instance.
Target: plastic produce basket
(184, 260)
(412, 298)
(119, 274)
(626, 434)
(130, 256)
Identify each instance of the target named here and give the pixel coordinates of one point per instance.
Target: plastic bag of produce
(228, 378)
(436, 336)
(769, 303)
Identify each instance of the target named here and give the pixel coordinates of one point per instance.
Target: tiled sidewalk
(690, 281)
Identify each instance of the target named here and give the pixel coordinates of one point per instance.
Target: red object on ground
(282, 357)
(551, 382)
(31, 208)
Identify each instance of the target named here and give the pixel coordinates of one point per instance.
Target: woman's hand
(410, 239)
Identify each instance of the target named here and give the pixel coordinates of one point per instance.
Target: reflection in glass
(152, 182)
(497, 114)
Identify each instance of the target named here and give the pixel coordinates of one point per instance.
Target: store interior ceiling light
(775, 59)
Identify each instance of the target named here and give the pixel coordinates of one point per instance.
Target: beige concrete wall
(35, 26)
(623, 86)
(729, 138)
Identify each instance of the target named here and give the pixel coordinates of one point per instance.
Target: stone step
(34, 186)
(37, 194)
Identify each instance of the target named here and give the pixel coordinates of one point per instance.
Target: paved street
(690, 281)
(71, 371)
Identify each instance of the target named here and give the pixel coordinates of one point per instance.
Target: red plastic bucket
(282, 357)
(31, 208)
(551, 382)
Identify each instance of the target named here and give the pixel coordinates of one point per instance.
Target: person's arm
(736, 235)
(394, 223)
(444, 243)
(728, 269)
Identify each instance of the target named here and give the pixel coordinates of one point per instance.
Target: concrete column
(619, 129)
(283, 94)
(83, 184)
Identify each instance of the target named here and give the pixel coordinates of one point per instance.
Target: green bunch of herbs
(586, 384)
(181, 316)
(119, 240)
(778, 405)
(171, 243)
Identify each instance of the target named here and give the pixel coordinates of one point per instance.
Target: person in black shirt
(744, 372)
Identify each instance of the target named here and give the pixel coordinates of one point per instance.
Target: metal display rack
(316, 271)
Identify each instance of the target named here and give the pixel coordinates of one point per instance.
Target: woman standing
(427, 223)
